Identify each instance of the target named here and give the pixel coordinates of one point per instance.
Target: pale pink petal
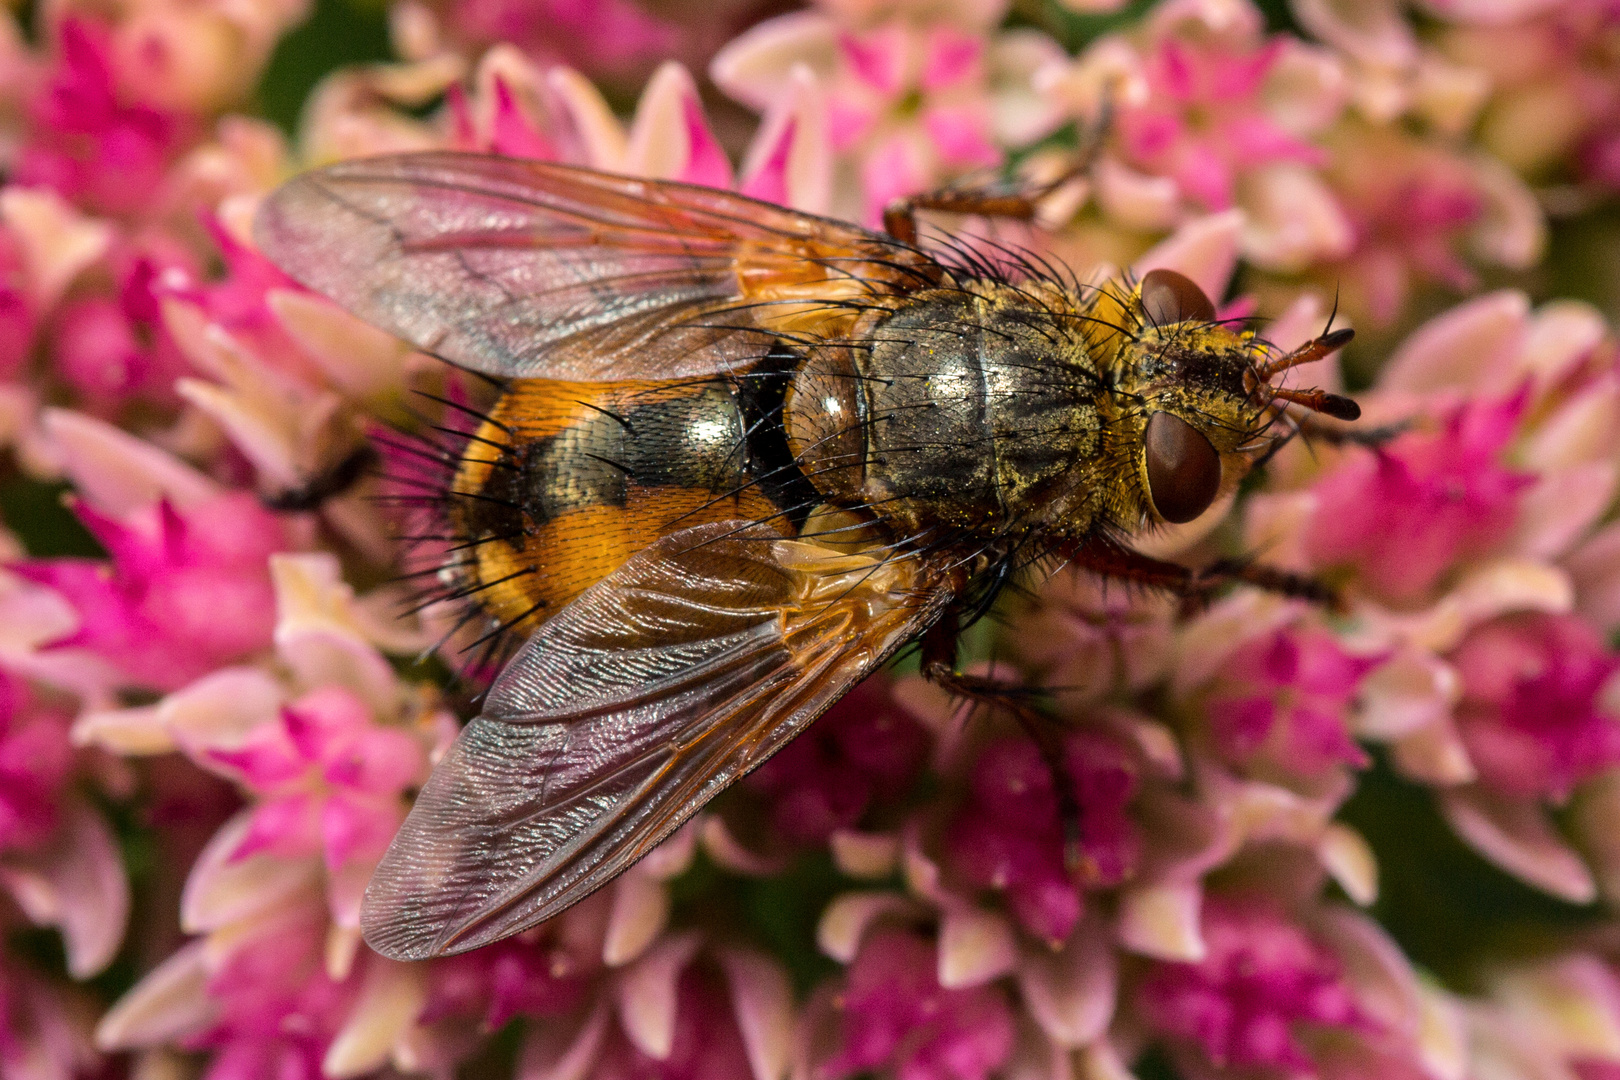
(1020, 113)
(790, 160)
(390, 998)
(563, 1050)
(975, 946)
(345, 888)
(756, 67)
(1464, 348)
(1372, 31)
(864, 855)
(1562, 505)
(136, 732)
(1306, 89)
(222, 711)
(647, 994)
(672, 857)
(1573, 1000)
(58, 241)
(1162, 920)
(1382, 978)
(1136, 200)
(600, 138)
(359, 359)
(846, 919)
(1110, 68)
(1294, 219)
(638, 915)
(1071, 992)
(319, 646)
(669, 137)
(728, 852)
(1412, 690)
(1512, 230)
(76, 883)
(1349, 859)
(1562, 334)
(118, 473)
(1517, 836)
(1442, 1042)
(762, 1001)
(170, 1003)
(1450, 96)
(221, 890)
(1434, 754)
(1579, 431)
(1205, 249)
(1595, 568)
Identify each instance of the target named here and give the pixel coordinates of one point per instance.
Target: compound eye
(1169, 297)
(1184, 470)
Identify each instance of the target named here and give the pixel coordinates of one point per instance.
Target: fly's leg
(332, 482)
(939, 667)
(1112, 560)
(900, 216)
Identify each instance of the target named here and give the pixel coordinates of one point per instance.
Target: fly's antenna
(1335, 405)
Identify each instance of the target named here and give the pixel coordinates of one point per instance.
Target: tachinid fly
(742, 455)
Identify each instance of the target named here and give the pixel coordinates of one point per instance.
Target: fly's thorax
(972, 410)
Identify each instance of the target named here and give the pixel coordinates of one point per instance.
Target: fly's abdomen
(568, 480)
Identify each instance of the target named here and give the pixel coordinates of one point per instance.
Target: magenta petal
(706, 162)
(286, 826)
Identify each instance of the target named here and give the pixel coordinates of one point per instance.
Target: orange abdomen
(565, 481)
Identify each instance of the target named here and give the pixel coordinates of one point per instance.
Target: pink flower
(866, 747)
(1206, 120)
(1532, 712)
(1262, 979)
(187, 591)
(705, 1043)
(521, 976)
(43, 1028)
(35, 760)
(87, 140)
(895, 1016)
(1010, 836)
(276, 1008)
(326, 778)
(603, 37)
(1405, 514)
(1287, 695)
(19, 308)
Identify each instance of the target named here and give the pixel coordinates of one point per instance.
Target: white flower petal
(390, 999)
(975, 946)
(118, 473)
(1071, 992)
(648, 994)
(864, 855)
(639, 913)
(762, 1001)
(170, 1003)
(1162, 920)
(846, 919)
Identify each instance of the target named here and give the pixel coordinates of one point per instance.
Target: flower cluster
(217, 699)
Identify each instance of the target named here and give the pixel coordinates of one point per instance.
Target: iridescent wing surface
(534, 269)
(624, 714)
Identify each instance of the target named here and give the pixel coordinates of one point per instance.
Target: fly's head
(1191, 400)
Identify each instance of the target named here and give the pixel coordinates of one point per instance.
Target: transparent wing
(623, 715)
(533, 269)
